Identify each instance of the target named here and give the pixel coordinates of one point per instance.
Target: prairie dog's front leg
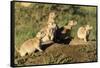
(51, 37)
(38, 48)
(85, 39)
(51, 34)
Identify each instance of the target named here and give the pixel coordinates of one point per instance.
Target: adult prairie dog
(49, 28)
(83, 32)
(31, 45)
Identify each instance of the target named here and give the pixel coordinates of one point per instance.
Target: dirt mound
(60, 53)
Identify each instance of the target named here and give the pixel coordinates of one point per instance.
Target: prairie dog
(50, 28)
(69, 26)
(31, 45)
(83, 32)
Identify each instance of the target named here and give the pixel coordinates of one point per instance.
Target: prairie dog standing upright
(50, 28)
(83, 32)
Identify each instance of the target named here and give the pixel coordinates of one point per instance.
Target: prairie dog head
(40, 35)
(72, 23)
(88, 27)
(52, 15)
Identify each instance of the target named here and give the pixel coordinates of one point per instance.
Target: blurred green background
(30, 19)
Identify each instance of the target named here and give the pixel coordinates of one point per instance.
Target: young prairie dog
(31, 45)
(71, 23)
(83, 32)
(63, 34)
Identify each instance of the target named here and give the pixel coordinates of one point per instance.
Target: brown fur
(83, 32)
(49, 28)
(31, 45)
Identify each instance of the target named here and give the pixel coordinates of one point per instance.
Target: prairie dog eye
(42, 32)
